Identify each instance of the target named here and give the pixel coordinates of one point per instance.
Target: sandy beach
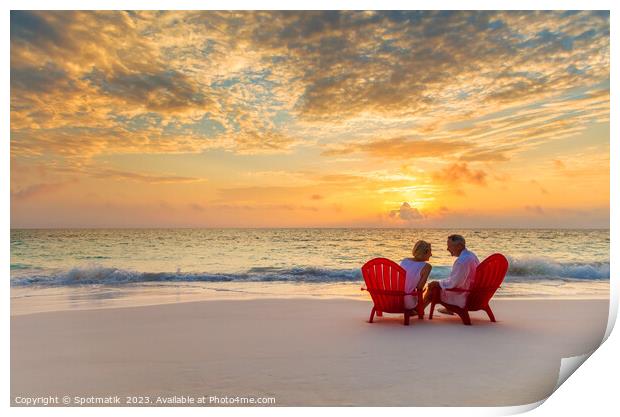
(303, 352)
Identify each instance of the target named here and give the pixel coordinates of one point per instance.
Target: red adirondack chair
(489, 276)
(385, 281)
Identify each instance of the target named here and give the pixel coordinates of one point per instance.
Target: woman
(418, 270)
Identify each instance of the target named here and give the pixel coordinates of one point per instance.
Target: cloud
(538, 210)
(164, 90)
(197, 207)
(400, 148)
(407, 213)
(97, 172)
(274, 80)
(140, 177)
(36, 190)
(344, 179)
(262, 207)
(538, 185)
(484, 156)
(31, 27)
(460, 173)
(46, 78)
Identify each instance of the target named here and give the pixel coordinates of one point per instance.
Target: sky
(310, 119)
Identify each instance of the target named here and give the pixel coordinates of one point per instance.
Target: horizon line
(303, 227)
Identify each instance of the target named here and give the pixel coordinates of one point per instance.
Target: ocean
(91, 268)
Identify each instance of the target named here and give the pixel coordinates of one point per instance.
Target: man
(463, 272)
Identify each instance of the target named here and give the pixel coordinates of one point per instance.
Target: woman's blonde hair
(421, 248)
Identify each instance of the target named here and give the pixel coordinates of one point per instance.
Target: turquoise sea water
(100, 264)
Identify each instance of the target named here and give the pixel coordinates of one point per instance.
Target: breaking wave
(106, 275)
(547, 268)
(521, 270)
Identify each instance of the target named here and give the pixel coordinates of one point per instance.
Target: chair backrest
(489, 276)
(385, 281)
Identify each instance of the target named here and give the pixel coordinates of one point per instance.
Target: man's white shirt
(463, 272)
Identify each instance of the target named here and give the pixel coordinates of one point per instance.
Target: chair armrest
(390, 292)
(456, 289)
(475, 289)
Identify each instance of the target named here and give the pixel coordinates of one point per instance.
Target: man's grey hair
(457, 239)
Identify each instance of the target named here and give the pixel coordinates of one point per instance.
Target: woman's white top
(414, 273)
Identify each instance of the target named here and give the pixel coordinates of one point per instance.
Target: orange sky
(319, 119)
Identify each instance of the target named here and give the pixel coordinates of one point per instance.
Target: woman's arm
(424, 276)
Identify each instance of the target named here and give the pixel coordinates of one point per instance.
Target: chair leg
(489, 313)
(434, 297)
(379, 313)
(464, 315)
(406, 318)
(420, 307)
(372, 315)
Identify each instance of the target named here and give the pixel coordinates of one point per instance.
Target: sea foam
(521, 270)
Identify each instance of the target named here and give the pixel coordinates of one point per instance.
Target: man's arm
(457, 276)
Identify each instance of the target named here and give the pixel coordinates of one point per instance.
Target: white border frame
(588, 391)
